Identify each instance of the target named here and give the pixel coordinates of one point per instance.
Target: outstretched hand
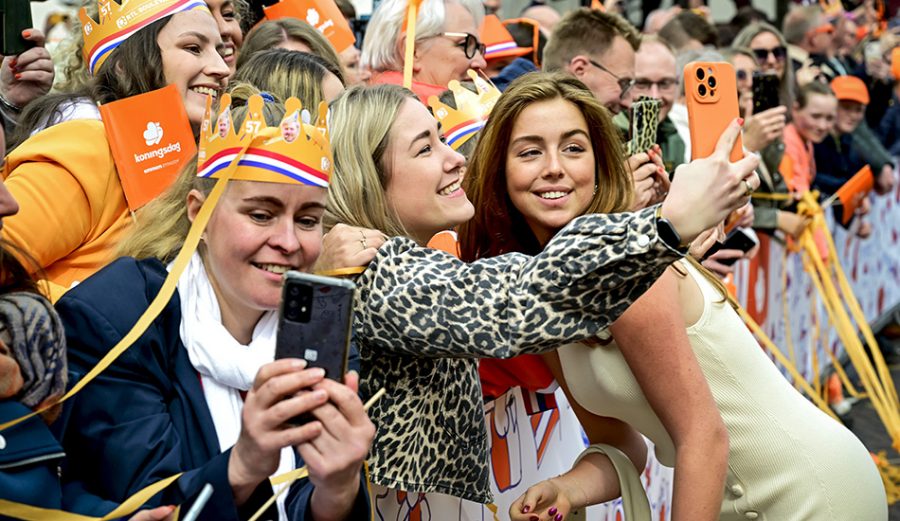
(706, 190)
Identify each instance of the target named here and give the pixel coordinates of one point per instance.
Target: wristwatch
(668, 233)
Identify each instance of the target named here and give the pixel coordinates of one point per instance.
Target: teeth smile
(274, 268)
(227, 52)
(553, 195)
(449, 189)
(205, 91)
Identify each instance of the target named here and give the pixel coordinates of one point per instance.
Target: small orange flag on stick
(150, 146)
(851, 193)
(412, 13)
(323, 15)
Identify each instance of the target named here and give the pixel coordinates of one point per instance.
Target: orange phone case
(710, 90)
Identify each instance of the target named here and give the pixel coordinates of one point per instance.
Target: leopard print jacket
(424, 318)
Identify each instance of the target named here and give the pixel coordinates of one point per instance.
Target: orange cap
(850, 88)
(497, 41)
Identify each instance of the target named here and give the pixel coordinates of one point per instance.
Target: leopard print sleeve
(419, 302)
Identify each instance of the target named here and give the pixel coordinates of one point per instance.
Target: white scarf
(225, 365)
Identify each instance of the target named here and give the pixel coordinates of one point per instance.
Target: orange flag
(324, 15)
(851, 193)
(150, 146)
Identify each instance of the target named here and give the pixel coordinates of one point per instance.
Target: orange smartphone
(710, 89)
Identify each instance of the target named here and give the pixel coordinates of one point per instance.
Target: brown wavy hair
(498, 227)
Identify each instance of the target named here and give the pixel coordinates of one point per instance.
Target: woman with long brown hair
(679, 366)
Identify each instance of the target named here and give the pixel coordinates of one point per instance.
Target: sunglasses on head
(780, 53)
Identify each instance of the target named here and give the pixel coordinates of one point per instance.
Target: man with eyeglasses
(656, 76)
(599, 49)
(447, 44)
(810, 37)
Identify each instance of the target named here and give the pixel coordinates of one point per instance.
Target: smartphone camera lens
(712, 82)
(701, 89)
(700, 74)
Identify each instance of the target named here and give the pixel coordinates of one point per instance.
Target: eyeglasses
(664, 85)
(780, 53)
(470, 45)
(625, 84)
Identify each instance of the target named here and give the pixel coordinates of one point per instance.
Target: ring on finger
(365, 245)
(748, 190)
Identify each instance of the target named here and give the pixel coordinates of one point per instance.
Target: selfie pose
(199, 392)
(776, 440)
(424, 317)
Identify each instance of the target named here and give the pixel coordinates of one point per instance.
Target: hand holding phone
(737, 239)
(15, 17)
(765, 92)
(315, 322)
(710, 90)
(643, 124)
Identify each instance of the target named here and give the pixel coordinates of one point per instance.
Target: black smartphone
(315, 323)
(643, 123)
(15, 17)
(737, 239)
(765, 92)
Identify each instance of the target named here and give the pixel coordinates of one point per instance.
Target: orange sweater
(72, 208)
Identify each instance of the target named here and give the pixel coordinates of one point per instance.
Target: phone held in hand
(737, 239)
(710, 90)
(765, 92)
(315, 323)
(15, 17)
(643, 124)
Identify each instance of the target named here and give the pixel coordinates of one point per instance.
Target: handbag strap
(634, 498)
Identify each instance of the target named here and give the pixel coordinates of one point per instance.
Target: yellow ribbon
(412, 13)
(843, 309)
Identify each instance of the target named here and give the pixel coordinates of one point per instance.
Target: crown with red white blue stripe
(296, 151)
(118, 21)
(471, 112)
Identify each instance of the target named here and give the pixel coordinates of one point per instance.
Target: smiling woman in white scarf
(198, 392)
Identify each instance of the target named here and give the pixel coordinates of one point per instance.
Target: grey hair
(380, 50)
(799, 21)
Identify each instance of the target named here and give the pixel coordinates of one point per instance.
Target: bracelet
(9, 106)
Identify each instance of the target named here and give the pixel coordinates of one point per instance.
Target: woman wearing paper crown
(74, 209)
(198, 392)
(717, 377)
(425, 317)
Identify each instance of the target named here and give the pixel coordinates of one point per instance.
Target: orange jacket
(72, 208)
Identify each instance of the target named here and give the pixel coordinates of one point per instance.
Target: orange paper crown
(471, 111)
(293, 152)
(118, 21)
(498, 43)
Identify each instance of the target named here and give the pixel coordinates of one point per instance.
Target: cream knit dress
(787, 461)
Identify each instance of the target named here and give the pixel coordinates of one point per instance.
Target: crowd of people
(578, 256)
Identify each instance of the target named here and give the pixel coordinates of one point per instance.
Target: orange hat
(497, 40)
(850, 88)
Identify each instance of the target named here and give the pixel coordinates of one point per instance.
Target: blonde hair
(360, 125)
(284, 73)
(161, 226)
(269, 35)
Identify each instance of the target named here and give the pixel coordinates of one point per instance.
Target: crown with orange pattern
(295, 151)
(498, 43)
(471, 112)
(118, 21)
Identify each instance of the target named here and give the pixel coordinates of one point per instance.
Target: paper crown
(471, 112)
(118, 21)
(293, 152)
(498, 43)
